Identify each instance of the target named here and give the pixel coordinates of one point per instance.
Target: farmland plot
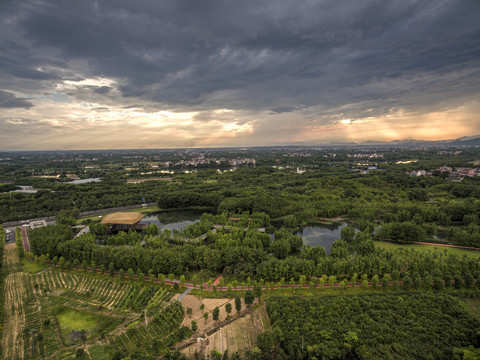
(36, 329)
(155, 334)
(237, 336)
(195, 303)
(86, 289)
(14, 313)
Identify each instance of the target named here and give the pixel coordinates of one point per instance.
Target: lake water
(84, 181)
(323, 235)
(26, 189)
(173, 219)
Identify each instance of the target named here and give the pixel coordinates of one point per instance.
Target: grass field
(70, 319)
(32, 267)
(421, 247)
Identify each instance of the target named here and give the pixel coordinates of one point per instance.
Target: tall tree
(238, 304)
(249, 297)
(216, 313)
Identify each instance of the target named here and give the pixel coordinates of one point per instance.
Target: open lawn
(421, 247)
(32, 267)
(73, 320)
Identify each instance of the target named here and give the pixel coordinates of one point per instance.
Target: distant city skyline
(174, 74)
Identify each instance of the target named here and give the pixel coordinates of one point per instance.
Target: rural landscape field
(215, 264)
(239, 180)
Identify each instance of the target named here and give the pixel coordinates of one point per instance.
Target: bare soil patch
(237, 336)
(191, 301)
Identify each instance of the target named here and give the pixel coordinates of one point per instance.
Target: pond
(84, 181)
(320, 234)
(26, 189)
(173, 220)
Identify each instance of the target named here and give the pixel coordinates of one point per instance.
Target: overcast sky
(172, 73)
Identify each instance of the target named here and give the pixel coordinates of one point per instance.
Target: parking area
(9, 236)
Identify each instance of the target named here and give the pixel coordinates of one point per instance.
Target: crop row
(156, 332)
(159, 301)
(143, 335)
(89, 289)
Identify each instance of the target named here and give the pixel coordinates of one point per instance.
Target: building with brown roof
(122, 221)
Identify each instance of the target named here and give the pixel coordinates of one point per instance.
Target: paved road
(51, 219)
(85, 230)
(185, 293)
(14, 224)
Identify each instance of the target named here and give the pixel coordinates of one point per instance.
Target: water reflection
(323, 235)
(84, 181)
(173, 219)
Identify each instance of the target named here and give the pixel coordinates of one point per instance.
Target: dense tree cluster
(402, 232)
(423, 325)
(246, 252)
(388, 194)
(249, 235)
(50, 239)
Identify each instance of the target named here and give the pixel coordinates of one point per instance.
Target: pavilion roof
(123, 218)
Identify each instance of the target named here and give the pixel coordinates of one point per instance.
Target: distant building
(37, 224)
(466, 171)
(418, 173)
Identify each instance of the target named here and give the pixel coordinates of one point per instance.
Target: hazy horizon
(339, 144)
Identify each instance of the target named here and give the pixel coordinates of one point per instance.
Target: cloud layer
(98, 74)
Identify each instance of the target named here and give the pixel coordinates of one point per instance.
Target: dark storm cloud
(9, 100)
(283, 109)
(102, 90)
(275, 56)
(133, 107)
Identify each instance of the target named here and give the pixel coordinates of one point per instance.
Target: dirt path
(14, 322)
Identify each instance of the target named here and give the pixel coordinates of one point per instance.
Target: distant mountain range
(465, 141)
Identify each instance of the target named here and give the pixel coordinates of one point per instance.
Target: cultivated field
(191, 301)
(14, 313)
(50, 314)
(236, 336)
